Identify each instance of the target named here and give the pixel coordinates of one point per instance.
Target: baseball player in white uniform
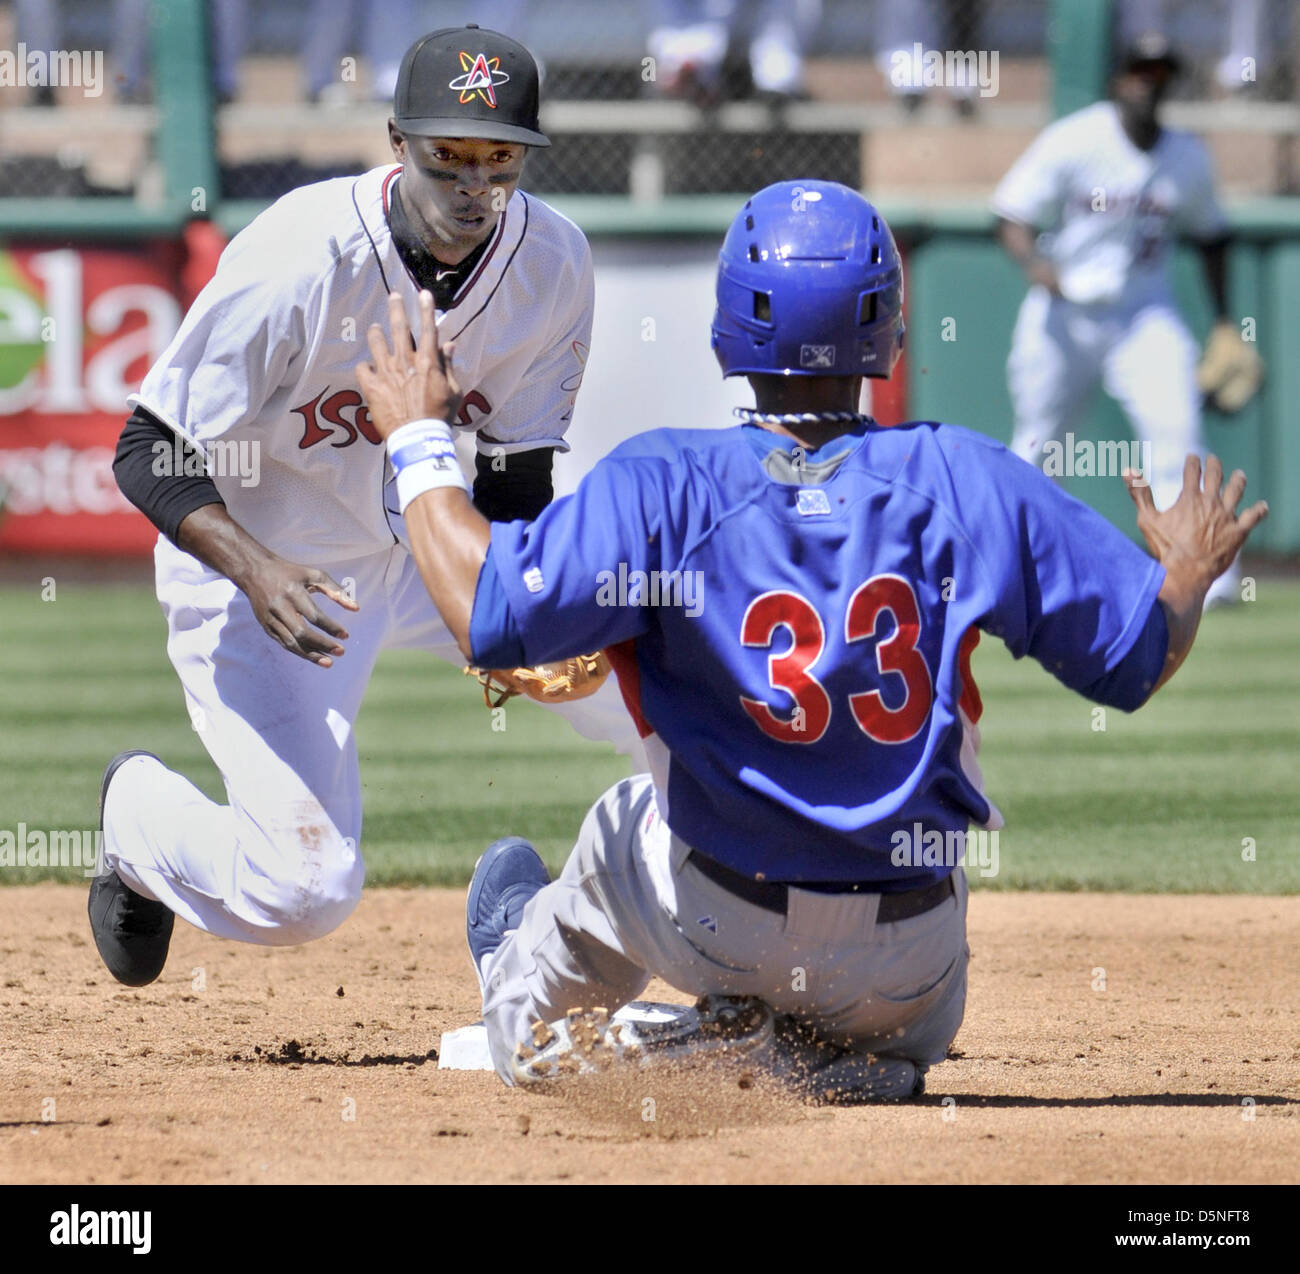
(265, 358)
(1090, 211)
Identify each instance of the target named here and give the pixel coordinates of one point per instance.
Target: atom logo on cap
(481, 76)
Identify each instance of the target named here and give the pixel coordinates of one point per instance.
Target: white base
(466, 1049)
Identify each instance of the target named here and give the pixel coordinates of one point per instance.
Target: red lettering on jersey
(367, 426)
(476, 400)
(312, 433)
(332, 410)
(970, 702)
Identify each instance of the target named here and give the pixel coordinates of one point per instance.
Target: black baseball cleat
(132, 933)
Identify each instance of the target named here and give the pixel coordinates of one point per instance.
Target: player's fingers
(1140, 489)
(1233, 492)
(1253, 516)
(286, 639)
(378, 343)
(313, 613)
(1213, 475)
(308, 638)
(400, 330)
(448, 370)
(428, 347)
(308, 609)
(1192, 473)
(319, 582)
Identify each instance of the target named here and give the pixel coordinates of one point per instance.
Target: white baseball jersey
(1114, 209)
(267, 355)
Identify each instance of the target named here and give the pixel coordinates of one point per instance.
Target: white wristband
(423, 457)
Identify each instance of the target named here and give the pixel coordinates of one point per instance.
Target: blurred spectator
(1246, 53)
(386, 28)
(692, 39)
(908, 26)
(39, 25)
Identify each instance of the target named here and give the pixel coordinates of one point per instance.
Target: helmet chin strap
(752, 416)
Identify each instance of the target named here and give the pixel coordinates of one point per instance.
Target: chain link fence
(642, 99)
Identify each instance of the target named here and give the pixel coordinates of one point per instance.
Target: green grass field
(1163, 800)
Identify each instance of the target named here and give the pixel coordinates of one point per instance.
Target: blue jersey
(792, 631)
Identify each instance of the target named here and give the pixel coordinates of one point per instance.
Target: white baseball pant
(1146, 359)
(281, 862)
(1143, 355)
(629, 906)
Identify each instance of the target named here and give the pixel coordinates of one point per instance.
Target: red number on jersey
(789, 672)
(896, 654)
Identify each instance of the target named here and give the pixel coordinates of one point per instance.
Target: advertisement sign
(79, 327)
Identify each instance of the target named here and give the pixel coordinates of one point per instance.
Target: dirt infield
(1108, 1038)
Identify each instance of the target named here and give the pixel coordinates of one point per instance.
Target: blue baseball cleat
(505, 878)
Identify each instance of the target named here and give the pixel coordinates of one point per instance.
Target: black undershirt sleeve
(148, 473)
(508, 488)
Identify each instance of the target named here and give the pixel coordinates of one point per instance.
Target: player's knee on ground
(300, 882)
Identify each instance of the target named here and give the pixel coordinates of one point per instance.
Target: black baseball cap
(1150, 49)
(468, 82)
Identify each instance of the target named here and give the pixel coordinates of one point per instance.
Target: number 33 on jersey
(887, 595)
(817, 694)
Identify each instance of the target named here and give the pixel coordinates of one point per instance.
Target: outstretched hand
(1195, 540)
(1201, 532)
(409, 381)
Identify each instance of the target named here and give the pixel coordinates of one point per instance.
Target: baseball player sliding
(265, 587)
(812, 724)
(1114, 188)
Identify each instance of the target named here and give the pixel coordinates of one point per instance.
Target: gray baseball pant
(628, 906)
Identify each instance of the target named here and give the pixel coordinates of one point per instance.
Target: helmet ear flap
(762, 307)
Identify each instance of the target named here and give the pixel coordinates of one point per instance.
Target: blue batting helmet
(810, 283)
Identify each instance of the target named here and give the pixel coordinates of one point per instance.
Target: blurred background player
(1090, 212)
(811, 725)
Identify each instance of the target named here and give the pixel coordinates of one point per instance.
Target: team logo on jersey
(570, 383)
(812, 502)
(325, 419)
(482, 75)
(816, 355)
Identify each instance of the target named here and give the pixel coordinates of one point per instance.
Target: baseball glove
(561, 682)
(1231, 370)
